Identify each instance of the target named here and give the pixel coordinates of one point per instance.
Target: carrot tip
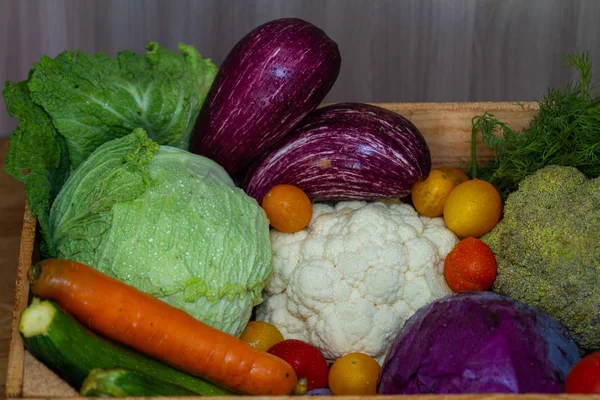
(33, 273)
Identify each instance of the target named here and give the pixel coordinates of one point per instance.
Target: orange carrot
(159, 330)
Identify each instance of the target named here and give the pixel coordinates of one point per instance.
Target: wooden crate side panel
(447, 126)
(14, 373)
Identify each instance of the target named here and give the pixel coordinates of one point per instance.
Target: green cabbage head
(168, 222)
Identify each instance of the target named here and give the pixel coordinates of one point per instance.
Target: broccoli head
(548, 249)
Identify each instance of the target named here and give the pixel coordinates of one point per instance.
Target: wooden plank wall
(393, 50)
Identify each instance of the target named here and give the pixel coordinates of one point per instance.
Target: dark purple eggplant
(345, 151)
(268, 82)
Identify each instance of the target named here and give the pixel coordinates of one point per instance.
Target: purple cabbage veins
(478, 342)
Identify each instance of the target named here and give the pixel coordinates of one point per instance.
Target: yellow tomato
(354, 374)
(473, 208)
(261, 335)
(429, 196)
(457, 175)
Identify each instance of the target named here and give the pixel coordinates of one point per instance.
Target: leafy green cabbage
(43, 171)
(168, 222)
(95, 98)
(72, 104)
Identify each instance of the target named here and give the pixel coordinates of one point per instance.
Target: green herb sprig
(566, 131)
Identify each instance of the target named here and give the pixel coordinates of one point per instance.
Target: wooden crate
(447, 129)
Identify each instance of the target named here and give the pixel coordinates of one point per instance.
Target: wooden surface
(392, 50)
(12, 206)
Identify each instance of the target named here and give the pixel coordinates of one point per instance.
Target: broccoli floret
(547, 247)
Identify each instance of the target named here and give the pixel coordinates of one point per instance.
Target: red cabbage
(478, 342)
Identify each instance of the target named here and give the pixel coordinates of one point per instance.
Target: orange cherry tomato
(354, 374)
(288, 208)
(261, 335)
(473, 208)
(470, 265)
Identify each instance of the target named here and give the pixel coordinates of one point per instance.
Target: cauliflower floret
(350, 280)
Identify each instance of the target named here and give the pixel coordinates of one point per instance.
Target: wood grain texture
(12, 205)
(14, 373)
(447, 129)
(392, 50)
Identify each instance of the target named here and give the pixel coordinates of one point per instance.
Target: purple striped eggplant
(345, 151)
(268, 82)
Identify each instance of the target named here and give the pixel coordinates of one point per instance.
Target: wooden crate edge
(16, 351)
(477, 107)
(484, 396)
(453, 106)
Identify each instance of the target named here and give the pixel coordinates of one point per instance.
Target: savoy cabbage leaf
(37, 154)
(168, 222)
(95, 98)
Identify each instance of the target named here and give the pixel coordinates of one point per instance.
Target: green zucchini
(120, 382)
(72, 351)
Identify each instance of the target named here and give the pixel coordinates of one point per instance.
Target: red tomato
(584, 377)
(471, 265)
(308, 362)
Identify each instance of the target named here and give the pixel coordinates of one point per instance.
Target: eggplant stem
(301, 387)
(473, 152)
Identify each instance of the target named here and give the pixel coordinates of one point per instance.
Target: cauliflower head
(548, 249)
(350, 280)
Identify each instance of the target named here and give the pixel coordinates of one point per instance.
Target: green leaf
(116, 172)
(565, 131)
(37, 154)
(95, 98)
(170, 223)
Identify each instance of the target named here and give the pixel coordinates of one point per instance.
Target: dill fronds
(566, 131)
